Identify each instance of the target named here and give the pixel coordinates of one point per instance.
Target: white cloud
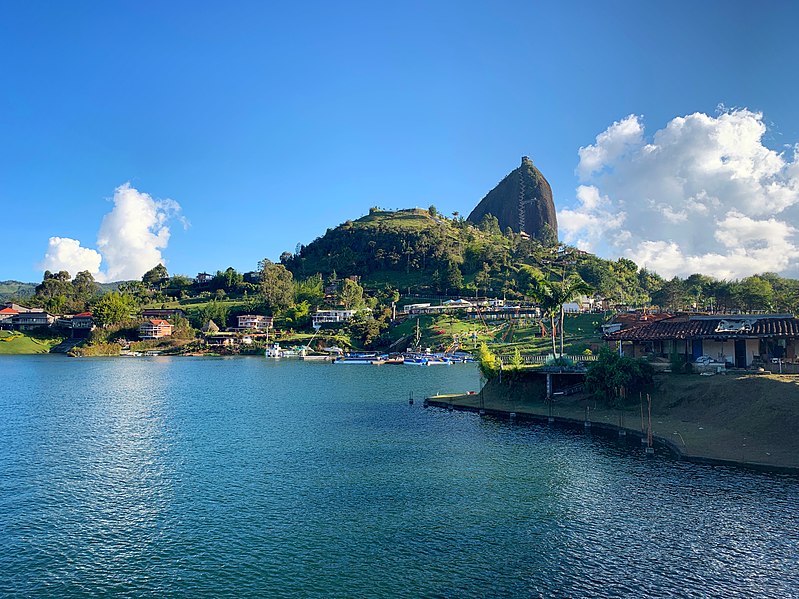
(704, 195)
(130, 239)
(64, 253)
(611, 144)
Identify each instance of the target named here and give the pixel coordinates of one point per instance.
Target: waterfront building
(6, 317)
(255, 322)
(740, 340)
(155, 329)
(32, 320)
(321, 317)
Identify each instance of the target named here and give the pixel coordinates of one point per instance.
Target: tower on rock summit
(521, 201)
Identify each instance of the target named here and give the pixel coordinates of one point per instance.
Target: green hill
(405, 248)
(15, 289)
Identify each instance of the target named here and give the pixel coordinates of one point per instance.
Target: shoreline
(571, 414)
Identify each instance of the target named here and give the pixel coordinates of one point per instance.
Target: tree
(547, 236)
(754, 293)
(84, 285)
(113, 308)
(487, 362)
(311, 290)
(567, 290)
(213, 310)
(672, 295)
(490, 224)
(351, 294)
(613, 377)
(697, 286)
(454, 278)
(155, 275)
(433, 211)
(483, 277)
(277, 285)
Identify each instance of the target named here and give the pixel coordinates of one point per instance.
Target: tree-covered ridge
(424, 251)
(417, 251)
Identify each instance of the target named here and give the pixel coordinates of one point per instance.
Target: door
(740, 353)
(696, 349)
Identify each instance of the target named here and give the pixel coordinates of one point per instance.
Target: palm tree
(540, 291)
(566, 290)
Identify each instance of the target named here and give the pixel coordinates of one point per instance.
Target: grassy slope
(9, 289)
(12, 342)
(582, 330)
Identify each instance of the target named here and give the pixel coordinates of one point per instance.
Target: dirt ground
(741, 417)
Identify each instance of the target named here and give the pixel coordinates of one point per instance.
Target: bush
(487, 362)
(613, 377)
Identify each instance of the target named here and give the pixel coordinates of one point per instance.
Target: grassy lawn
(14, 342)
(582, 330)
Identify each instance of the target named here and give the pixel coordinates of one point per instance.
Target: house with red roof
(6, 317)
(742, 340)
(155, 328)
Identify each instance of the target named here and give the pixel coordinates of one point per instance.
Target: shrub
(487, 362)
(613, 377)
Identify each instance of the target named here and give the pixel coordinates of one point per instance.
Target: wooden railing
(542, 358)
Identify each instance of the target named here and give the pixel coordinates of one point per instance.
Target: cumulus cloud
(67, 254)
(703, 195)
(129, 241)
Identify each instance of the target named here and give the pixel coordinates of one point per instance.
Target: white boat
(357, 359)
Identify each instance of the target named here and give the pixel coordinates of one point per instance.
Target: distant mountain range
(18, 289)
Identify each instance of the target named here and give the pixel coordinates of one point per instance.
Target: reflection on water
(238, 477)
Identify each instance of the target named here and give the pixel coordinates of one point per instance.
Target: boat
(438, 361)
(356, 359)
(315, 358)
(412, 360)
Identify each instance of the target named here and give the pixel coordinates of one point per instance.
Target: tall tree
(567, 290)
(113, 308)
(351, 294)
(84, 286)
(454, 278)
(155, 275)
(277, 285)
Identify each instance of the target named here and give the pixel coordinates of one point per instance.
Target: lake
(213, 477)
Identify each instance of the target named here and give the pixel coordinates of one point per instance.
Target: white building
(321, 317)
(255, 322)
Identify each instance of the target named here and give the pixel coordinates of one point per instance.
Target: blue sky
(268, 124)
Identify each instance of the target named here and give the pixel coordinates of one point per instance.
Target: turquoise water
(244, 477)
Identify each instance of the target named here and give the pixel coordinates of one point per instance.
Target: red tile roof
(83, 315)
(8, 311)
(680, 327)
(159, 322)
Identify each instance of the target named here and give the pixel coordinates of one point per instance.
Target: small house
(155, 329)
(6, 317)
(220, 341)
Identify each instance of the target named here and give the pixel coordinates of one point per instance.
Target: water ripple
(222, 478)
